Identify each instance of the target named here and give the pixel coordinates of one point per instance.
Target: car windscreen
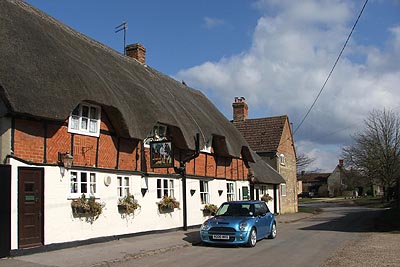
(235, 209)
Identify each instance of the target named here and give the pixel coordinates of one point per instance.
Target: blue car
(239, 223)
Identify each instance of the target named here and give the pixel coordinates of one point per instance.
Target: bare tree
(303, 162)
(375, 151)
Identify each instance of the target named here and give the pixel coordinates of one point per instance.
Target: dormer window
(85, 119)
(158, 133)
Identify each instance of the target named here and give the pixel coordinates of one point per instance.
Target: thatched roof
(47, 69)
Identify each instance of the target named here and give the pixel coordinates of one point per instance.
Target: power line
(333, 68)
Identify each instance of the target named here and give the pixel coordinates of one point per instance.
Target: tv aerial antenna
(122, 27)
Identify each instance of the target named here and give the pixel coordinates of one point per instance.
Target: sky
(275, 53)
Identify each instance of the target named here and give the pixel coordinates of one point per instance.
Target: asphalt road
(308, 242)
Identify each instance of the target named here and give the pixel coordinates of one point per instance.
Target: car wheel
(251, 242)
(273, 233)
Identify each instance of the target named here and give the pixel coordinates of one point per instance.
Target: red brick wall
(29, 138)
(58, 140)
(107, 151)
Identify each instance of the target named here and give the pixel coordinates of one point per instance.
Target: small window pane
(74, 122)
(85, 111)
(93, 113)
(84, 182)
(84, 124)
(74, 182)
(93, 126)
(92, 183)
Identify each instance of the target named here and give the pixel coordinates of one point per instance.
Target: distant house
(271, 138)
(349, 183)
(315, 183)
(78, 118)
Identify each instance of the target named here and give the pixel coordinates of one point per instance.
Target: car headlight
(205, 226)
(242, 226)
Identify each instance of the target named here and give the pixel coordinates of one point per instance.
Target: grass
(310, 210)
(371, 202)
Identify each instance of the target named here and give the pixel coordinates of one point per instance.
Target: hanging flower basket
(128, 204)
(87, 207)
(168, 204)
(266, 198)
(209, 209)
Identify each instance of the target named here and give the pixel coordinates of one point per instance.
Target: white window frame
(230, 191)
(92, 118)
(123, 186)
(283, 190)
(282, 159)
(165, 187)
(204, 192)
(76, 185)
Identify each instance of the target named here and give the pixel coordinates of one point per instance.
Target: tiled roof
(264, 134)
(313, 177)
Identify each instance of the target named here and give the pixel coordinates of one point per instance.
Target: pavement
(120, 250)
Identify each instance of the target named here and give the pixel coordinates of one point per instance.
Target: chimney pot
(240, 109)
(136, 51)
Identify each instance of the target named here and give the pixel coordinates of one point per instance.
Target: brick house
(271, 138)
(77, 118)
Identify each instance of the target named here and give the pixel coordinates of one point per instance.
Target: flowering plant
(168, 203)
(128, 204)
(266, 198)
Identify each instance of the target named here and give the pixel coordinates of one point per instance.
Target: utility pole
(122, 27)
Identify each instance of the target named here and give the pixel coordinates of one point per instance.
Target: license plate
(223, 237)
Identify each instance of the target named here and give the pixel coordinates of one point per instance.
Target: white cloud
(212, 22)
(294, 46)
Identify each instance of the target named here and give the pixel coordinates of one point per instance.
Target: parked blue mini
(239, 223)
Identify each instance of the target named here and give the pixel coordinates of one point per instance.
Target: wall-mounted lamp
(65, 160)
(192, 191)
(220, 192)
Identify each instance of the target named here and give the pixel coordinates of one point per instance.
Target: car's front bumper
(235, 238)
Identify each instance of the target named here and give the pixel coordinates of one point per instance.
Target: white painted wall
(61, 226)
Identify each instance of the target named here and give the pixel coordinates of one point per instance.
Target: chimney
(136, 51)
(240, 109)
(340, 163)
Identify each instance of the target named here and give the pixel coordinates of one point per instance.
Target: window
(263, 190)
(158, 133)
(165, 187)
(283, 189)
(123, 186)
(204, 192)
(85, 119)
(230, 191)
(282, 159)
(83, 183)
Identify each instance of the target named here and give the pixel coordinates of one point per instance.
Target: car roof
(243, 202)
